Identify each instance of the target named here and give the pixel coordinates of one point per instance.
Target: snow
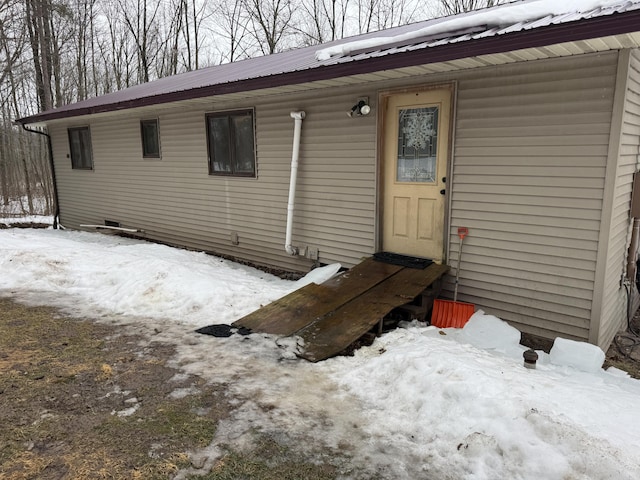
(580, 355)
(27, 219)
(504, 15)
(489, 332)
(419, 403)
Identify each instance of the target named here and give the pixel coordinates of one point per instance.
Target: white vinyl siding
(528, 178)
(176, 201)
(529, 161)
(614, 305)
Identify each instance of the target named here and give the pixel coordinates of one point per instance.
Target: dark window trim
(74, 166)
(229, 114)
(144, 153)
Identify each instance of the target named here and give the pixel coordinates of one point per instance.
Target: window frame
(145, 154)
(77, 163)
(229, 114)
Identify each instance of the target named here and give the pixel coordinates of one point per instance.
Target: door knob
(443, 191)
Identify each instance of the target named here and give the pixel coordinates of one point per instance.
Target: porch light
(360, 109)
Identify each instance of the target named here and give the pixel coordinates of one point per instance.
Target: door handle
(443, 191)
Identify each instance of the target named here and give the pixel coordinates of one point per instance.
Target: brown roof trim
(614, 24)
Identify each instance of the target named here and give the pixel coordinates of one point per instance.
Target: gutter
(295, 154)
(56, 214)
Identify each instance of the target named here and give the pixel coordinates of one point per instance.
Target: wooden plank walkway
(331, 316)
(295, 311)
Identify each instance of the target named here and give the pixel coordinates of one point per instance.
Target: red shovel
(447, 313)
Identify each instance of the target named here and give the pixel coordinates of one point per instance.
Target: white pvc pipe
(297, 117)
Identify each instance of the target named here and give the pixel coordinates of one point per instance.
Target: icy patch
(127, 412)
(319, 275)
(183, 392)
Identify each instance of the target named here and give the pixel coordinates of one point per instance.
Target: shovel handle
(462, 232)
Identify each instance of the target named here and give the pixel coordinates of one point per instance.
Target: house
(520, 122)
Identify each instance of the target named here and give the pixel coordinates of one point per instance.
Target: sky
(420, 402)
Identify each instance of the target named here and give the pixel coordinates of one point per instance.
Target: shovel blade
(446, 313)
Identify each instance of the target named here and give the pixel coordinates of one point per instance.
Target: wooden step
(333, 332)
(295, 311)
(331, 316)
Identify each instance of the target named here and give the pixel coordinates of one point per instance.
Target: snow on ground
(109, 274)
(30, 219)
(16, 211)
(19, 206)
(418, 403)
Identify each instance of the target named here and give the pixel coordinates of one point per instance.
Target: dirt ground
(624, 352)
(68, 393)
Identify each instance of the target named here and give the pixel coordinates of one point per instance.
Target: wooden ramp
(331, 316)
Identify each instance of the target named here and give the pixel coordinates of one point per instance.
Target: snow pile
(455, 408)
(418, 403)
(113, 275)
(318, 275)
(493, 17)
(580, 355)
(491, 333)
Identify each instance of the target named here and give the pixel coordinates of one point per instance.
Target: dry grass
(57, 381)
(62, 380)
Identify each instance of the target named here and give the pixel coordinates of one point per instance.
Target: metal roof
(620, 19)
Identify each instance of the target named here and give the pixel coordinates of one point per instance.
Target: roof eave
(614, 24)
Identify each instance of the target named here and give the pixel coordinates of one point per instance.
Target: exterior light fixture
(360, 109)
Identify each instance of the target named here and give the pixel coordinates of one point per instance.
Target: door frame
(383, 98)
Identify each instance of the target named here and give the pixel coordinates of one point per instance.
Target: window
(150, 134)
(417, 144)
(80, 147)
(230, 141)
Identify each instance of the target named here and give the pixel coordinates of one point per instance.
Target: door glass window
(417, 144)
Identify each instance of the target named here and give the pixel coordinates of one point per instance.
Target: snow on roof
(515, 16)
(372, 52)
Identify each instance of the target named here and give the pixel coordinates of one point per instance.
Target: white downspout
(297, 117)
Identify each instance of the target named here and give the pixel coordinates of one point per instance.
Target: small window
(230, 141)
(150, 134)
(80, 147)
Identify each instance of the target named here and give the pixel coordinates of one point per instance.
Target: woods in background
(55, 52)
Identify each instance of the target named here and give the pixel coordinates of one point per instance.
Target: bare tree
(375, 15)
(323, 20)
(38, 24)
(194, 15)
(231, 25)
(272, 23)
(54, 52)
(116, 50)
(451, 7)
(141, 19)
